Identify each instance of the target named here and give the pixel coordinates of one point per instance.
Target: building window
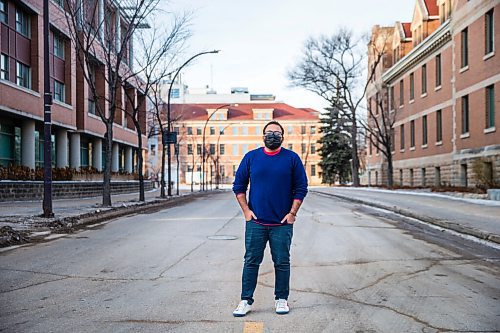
(222, 149)
(465, 114)
(424, 130)
(190, 149)
(313, 170)
(152, 150)
(412, 133)
(23, 75)
(303, 129)
(244, 130)
(313, 130)
(393, 139)
(258, 130)
(424, 79)
(290, 146)
(244, 148)
(489, 33)
(198, 131)
(313, 148)
(370, 149)
(391, 98)
(4, 14)
(490, 106)
(438, 70)
(212, 130)
(303, 148)
(439, 126)
(198, 149)
(221, 130)
(464, 47)
(412, 87)
(290, 129)
(4, 65)
(235, 150)
(58, 45)
(59, 91)
(401, 93)
(402, 136)
(190, 131)
(235, 130)
(212, 149)
(22, 23)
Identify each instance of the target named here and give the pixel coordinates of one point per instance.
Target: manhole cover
(222, 237)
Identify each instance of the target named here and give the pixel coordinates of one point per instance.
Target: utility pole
(47, 129)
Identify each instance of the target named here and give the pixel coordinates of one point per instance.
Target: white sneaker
(242, 309)
(281, 306)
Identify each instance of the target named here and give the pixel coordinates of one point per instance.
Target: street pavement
(354, 269)
(479, 218)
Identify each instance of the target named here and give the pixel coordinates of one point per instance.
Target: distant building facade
(231, 130)
(77, 132)
(439, 77)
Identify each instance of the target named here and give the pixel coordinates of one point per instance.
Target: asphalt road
(352, 271)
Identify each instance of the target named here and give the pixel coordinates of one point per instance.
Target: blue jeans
(280, 240)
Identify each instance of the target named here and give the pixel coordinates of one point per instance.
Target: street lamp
(203, 145)
(217, 171)
(169, 125)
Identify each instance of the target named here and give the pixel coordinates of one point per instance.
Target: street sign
(169, 138)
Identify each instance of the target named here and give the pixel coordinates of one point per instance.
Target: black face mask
(272, 141)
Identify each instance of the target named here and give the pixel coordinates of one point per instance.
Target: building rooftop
(241, 112)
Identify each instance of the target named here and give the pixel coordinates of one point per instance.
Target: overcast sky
(260, 40)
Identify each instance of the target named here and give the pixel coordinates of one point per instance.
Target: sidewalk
(475, 217)
(21, 221)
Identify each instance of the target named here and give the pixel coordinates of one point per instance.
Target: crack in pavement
(380, 306)
(194, 249)
(386, 307)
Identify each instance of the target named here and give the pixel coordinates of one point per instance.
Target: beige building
(233, 130)
(439, 79)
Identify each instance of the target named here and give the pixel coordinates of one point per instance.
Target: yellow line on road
(253, 327)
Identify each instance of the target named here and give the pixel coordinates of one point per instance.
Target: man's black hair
(274, 122)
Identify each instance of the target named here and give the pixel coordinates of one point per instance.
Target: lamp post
(217, 171)
(203, 145)
(169, 125)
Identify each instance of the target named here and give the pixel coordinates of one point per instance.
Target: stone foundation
(24, 190)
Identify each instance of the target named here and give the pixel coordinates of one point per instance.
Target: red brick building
(77, 132)
(439, 77)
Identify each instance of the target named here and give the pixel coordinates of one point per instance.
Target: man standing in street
(278, 184)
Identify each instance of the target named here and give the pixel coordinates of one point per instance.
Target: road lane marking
(253, 327)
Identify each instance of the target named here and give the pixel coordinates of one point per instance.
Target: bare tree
(379, 128)
(156, 50)
(101, 32)
(381, 114)
(331, 62)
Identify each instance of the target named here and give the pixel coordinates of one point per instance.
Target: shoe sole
(282, 312)
(239, 315)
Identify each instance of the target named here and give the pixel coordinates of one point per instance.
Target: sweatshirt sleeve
(299, 180)
(242, 176)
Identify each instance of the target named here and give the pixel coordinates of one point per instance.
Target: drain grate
(222, 237)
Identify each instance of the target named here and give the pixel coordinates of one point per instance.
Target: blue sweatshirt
(276, 179)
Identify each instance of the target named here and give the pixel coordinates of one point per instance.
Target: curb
(427, 219)
(70, 224)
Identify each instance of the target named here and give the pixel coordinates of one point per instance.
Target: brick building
(231, 130)
(78, 132)
(439, 78)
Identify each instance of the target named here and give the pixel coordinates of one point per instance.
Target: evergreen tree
(336, 146)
